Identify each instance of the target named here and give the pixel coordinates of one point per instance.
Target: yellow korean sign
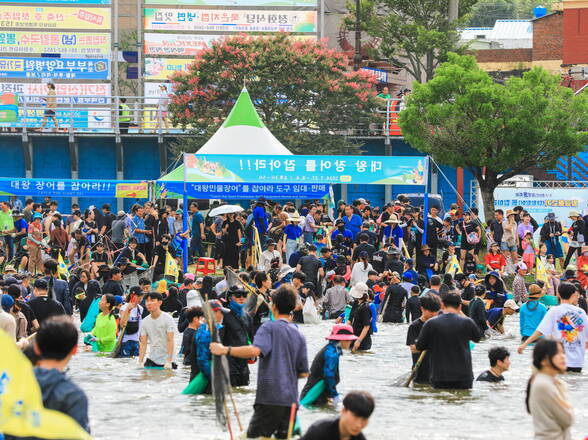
(163, 68)
(54, 17)
(132, 190)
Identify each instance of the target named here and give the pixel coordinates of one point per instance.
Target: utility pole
(357, 54)
(453, 10)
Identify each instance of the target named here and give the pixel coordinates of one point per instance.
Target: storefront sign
(163, 68)
(33, 17)
(230, 20)
(377, 170)
(54, 68)
(70, 43)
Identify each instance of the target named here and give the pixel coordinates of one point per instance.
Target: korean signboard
(54, 68)
(248, 3)
(71, 43)
(97, 93)
(377, 170)
(230, 20)
(177, 44)
(73, 188)
(541, 201)
(82, 120)
(54, 17)
(163, 68)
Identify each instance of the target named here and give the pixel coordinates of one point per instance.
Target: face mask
(236, 307)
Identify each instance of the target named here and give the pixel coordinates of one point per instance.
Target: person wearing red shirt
(494, 260)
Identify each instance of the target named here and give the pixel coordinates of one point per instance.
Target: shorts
(49, 113)
(269, 420)
(465, 246)
(574, 369)
(129, 348)
(505, 247)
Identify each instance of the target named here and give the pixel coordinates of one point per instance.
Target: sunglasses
(240, 295)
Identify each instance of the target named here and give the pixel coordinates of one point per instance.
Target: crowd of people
(452, 279)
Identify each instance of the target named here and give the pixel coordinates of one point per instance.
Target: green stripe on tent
(243, 113)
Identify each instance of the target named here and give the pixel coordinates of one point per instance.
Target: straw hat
(295, 218)
(535, 291)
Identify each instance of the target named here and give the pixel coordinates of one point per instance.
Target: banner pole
(426, 202)
(185, 245)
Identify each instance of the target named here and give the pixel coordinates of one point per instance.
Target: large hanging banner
(35, 17)
(369, 170)
(177, 44)
(98, 93)
(541, 201)
(54, 68)
(279, 3)
(240, 191)
(230, 20)
(67, 43)
(163, 68)
(73, 188)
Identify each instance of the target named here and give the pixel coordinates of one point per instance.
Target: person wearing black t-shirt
(42, 306)
(430, 306)
(446, 339)
(360, 317)
(311, 266)
(363, 246)
(358, 406)
(114, 284)
(499, 363)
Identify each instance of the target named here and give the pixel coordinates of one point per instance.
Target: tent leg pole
(185, 246)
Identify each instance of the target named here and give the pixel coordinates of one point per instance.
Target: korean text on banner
(54, 68)
(249, 3)
(33, 93)
(34, 17)
(163, 68)
(376, 170)
(66, 43)
(70, 188)
(230, 20)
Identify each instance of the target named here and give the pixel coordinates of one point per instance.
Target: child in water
(325, 366)
(104, 331)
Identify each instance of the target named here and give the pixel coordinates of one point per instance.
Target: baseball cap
(199, 280)
(511, 304)
(216, 305)
(40, 284)
(9, 281)
(7, 302)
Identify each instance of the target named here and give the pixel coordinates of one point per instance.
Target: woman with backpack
(470, 235)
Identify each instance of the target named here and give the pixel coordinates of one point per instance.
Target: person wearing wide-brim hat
(576, 235)
(292, 234)
(360, 317)
(532, 312)
(426, 263)
(325, 365)
(392, 232)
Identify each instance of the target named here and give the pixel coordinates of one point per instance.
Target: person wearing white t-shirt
(157, 329)
(567, 323)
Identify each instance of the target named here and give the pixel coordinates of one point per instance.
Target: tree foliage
(462, 118)
(486, 12)
(302, 90)
(414, 34)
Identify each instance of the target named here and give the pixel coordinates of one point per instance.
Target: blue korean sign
(72, 188)
(368, 170)
(241, 191)
(54, 68)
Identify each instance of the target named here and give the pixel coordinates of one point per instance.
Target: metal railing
(145, 115)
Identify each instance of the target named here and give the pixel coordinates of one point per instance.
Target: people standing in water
(104, 332)
(236, 331)
(446, 338)
(567, 323)
(547, 396)
(499, 358)
(532, 312)
(281, 349)
(131, 315)
(430, 306)
(360, 317)
(157, 330)
(325, 365)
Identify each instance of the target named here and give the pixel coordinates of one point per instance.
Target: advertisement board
(54, 68)
(66, 93)
(230, 20)
(541, 201)
(88, 120)
(177, 44)
(73, 188)
(369, 170)
(249, 3)
(163, 68)
(67, 43)
(52, 17)
(152, 92)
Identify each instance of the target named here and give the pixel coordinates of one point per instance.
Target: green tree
(462, 118)
(414, 34)
(302, 90)
(486, 12)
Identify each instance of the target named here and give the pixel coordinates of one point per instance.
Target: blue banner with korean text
(368, 170)
(54, 68)
(73, 188)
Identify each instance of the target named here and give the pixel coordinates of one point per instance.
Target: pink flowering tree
(304, 92)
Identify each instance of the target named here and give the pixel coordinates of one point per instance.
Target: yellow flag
(61, 267)
(21, 406)
(541, 272)
(453, 266)
(171, 267)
